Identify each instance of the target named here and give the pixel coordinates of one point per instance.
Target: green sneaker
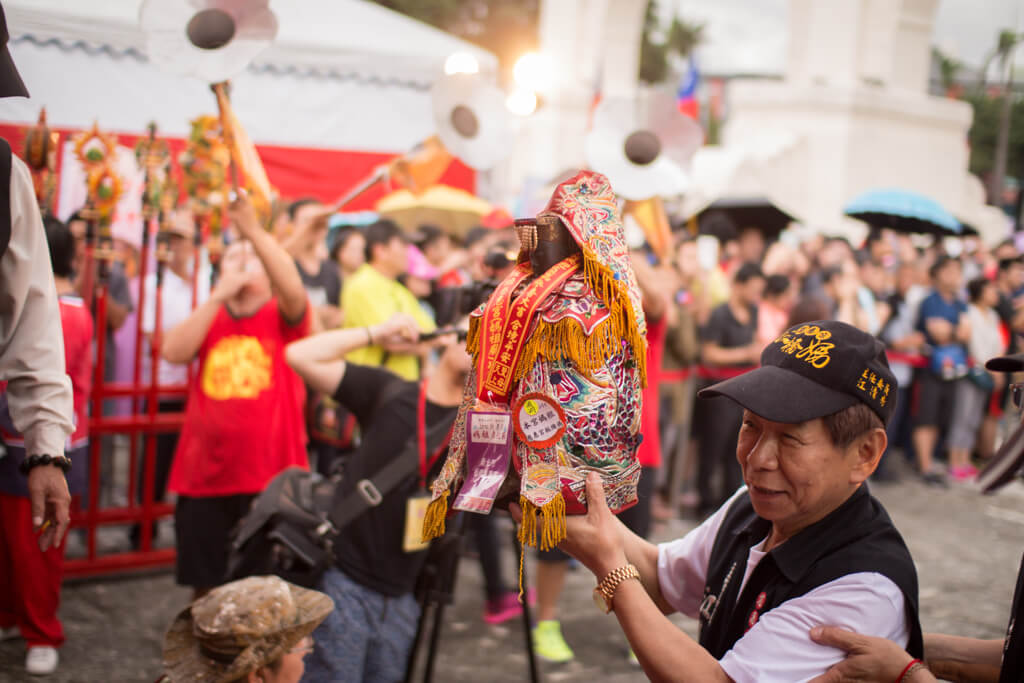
(549, 644)
(632, 659)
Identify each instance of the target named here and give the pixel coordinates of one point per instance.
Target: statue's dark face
(554, 244)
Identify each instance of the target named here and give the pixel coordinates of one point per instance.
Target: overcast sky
(750, 35)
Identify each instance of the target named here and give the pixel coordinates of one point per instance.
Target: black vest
(858, 536)
(5, 195)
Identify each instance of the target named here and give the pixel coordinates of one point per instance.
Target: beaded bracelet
(61, 461)
(912, 668)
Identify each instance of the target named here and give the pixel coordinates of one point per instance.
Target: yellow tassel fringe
(623, 325)
(522, 559)
(552, 523)
(566, 339)
(433, 519)
(473, 336)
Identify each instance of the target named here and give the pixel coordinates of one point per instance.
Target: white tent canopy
(342, 74)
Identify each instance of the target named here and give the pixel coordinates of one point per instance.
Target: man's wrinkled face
(795, 474)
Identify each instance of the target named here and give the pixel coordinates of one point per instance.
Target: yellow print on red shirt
(236, 367)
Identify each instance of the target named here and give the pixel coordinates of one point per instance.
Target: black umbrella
(969, 230)
(743, 212)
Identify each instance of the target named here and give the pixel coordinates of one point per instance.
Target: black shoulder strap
(5, 195)
(370, 491)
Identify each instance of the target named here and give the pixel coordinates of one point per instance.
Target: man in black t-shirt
(328, 426)
(728, 344)
(307, 244)
(370, 632)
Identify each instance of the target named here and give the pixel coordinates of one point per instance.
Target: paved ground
(967, 549)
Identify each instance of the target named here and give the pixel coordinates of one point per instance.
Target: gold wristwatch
(605, 590)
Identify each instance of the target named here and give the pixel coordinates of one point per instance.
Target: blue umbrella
(903, 211)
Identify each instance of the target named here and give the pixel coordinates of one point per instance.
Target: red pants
(29, 578)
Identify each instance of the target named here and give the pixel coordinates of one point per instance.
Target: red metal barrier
(143, 423)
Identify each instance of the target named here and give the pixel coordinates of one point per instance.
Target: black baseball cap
(1014, 363)
(11, 84)
(812, 370)
(1008, 460)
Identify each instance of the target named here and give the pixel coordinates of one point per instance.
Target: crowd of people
(706, 321)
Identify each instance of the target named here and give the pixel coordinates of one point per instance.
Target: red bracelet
(906, 670)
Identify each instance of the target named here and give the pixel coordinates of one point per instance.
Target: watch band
(610, 583)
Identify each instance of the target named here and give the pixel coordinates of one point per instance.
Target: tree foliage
(949, 69)
(984, 132)
(655, 55)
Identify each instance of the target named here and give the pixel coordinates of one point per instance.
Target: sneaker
(506, 606)
(965, 473)
(41, 660)
(549, 644)
(632, 659)
(935, 478)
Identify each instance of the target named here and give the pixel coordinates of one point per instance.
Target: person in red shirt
(656, 299)
(29, 577)
(244, 418)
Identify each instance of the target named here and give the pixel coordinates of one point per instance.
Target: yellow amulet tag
(539, 420)
(415, 511)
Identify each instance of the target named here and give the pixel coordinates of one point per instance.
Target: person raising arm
(320, 361)
(238, 289)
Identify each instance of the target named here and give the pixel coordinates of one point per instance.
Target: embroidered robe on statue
(585, 348)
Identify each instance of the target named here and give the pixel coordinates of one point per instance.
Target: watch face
(601, 603)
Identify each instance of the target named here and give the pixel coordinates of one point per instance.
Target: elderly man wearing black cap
(802, 544)
(946, 657)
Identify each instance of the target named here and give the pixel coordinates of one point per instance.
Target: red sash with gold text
(505, 323)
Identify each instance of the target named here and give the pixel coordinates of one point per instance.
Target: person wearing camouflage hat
(255, 630)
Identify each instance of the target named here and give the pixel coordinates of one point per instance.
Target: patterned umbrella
(903, 211)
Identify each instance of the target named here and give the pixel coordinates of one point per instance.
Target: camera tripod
(438, 590)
